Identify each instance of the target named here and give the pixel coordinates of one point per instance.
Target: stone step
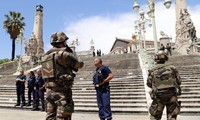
(13, 97)
(113, 105)
(86, 90)
(114, 110)
(94, 93)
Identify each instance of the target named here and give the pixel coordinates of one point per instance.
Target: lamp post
(140, 25)
(77, 43)
(138, 33)
(151, 14)
(21, 38)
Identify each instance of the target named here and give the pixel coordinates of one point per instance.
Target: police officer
(39, 91)
(101, 80)
(31, 91)
(59, 65)
(20, 88)
(164, 81)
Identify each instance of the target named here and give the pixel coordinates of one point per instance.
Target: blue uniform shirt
(31, 82)
(22, 77)
(105, 71)
(39, 82)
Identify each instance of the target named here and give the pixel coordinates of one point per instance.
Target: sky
(98, 20)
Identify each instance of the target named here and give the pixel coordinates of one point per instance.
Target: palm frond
(22, 18)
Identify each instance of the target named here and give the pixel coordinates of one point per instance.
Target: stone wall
(8, 65)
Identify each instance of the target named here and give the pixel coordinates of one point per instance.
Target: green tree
(13, 25)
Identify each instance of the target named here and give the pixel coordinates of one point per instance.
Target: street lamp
(151, 14)
(138, 32)
(21, 38)
(136, 6)
(167, 3)
(140, 26)
(151, 5)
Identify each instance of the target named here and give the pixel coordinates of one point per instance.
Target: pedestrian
(20, 88)
(99, 52)
(93, 53)
(59, 65)
(39, 88)
(162, 47)
(30, 86)
(164, 82)
(168, 47)
(101, 79)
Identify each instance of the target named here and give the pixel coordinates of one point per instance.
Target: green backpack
(164, 80)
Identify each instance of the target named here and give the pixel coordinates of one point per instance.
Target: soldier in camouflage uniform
(59, 65)
(164, 82)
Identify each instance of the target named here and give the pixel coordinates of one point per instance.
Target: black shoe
(23, 105)
(35, 109)
(43, 110)
(28, 104)
(17, 105)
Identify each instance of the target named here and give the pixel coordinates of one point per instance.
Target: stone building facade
(122, 46)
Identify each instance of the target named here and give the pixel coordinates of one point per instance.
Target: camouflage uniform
(163, 93)
(58, 64)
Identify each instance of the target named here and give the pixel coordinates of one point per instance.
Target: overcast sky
(100, 20)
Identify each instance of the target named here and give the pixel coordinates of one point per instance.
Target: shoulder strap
(158, 66)
(101, 68)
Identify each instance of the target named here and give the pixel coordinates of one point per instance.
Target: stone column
(38, 29)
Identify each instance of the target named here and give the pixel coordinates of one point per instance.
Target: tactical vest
(164, 80)
(98, 76)
(57, 70)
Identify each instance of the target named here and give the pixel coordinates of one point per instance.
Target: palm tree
(13, 25)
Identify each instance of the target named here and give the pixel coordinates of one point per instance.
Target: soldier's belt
(51, 84)
(49, 80)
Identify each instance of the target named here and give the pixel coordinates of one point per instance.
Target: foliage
(13, 25)
(4, 60)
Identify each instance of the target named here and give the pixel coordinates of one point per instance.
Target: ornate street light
(167, 3)
(136, 6)
(150, 13)
(151, 5)
(140, 26)
(21, 38)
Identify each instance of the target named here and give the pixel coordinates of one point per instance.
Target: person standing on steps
(164, 81)
(20, 89)
(101, 79)
(162, 47)
(31, 91)
(39, 91)
(168, 48)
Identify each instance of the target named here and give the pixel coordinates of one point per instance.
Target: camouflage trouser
(158, 105)
(59, 104)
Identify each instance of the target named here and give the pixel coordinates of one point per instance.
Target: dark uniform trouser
(59, 104)
(158, 105)
(20, 94)
(31, 91)
(39, 95)
(103, 101)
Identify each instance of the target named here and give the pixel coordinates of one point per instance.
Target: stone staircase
(127, 87)
(189, 70)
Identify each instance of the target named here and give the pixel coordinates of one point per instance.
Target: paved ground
(9, 114)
